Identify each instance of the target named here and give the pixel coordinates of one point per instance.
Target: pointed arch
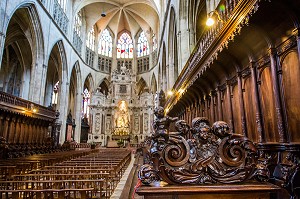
(141, 86)
(124, 45)
(172, 49)
(23, 53)
(89, 82)
(74, 87)
(104, 86)
(56, 73)
(153, 84)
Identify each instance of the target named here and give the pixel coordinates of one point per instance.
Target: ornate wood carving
(212, 155)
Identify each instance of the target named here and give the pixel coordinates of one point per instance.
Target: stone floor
(132, 167)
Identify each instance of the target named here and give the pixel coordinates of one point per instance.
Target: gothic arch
(172, 49)
(153, 84)
(23, 49)
(141, 86)
(104, 86)
(89, 82)
(56, 72)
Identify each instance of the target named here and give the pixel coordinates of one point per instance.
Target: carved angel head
(201, 128)
(220, 129)
(182, 126)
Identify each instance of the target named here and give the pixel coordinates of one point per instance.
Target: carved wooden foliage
(212, 155)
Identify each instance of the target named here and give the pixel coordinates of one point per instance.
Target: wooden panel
(291, 77)
(268, 106)
(250, 110)
(240, 191)
(225, 107)
(236, 110)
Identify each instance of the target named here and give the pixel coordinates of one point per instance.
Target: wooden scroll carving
(211, 155)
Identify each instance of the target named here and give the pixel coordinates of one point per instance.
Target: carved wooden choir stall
(204, 161)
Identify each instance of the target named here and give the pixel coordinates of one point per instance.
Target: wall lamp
(170, 93)
(212, 16)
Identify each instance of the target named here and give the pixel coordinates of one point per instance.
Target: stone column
(2, 42)
(180, 64)
(276, 91)
(242, 107)
(259, 125)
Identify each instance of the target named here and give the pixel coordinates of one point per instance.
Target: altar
(123, 114)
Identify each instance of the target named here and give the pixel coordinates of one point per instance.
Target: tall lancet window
(154, 42)
(63, 4)
(78, 23)
(105, 44)
(85, 103)
(125, 46)
(55, 94)
(90, 42)
(143, 45)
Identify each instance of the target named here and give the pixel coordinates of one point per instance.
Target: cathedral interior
(200, 92)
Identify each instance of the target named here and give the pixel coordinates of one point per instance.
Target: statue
(161, 124)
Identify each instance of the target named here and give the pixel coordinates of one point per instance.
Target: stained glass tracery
(143, 45)
(125, 46)
(105, 44)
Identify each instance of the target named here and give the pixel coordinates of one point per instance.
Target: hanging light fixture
(103, 14)
(211, 18)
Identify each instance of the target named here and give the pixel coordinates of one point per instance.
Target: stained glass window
(90, 42)
(55, 93)
(85, 103)
(154, 42)
(78, 23)
(105, 44)
(125, 46)
(143, 45)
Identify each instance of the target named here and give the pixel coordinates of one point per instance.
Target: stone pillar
(259, 125)
(242, 107)
(180, 65)
(2, 42)
(228, 93)
(276, 91)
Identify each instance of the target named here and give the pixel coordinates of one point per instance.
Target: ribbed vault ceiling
(120, 15)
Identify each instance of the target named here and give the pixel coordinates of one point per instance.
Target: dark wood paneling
(268, 106)
(250, 110)
(291, 77)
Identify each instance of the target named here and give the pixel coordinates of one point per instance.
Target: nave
(86, 173)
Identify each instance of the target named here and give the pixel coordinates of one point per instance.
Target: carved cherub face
(204, 131)
(182, 126)
(201, 128)
(220, 129)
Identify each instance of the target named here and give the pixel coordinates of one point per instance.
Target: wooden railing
(25, 106)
